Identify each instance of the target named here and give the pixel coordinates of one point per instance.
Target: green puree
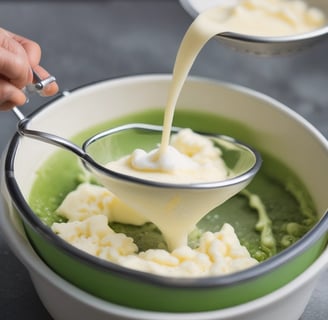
(274, 212)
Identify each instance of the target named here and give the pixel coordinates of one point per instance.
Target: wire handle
(22, 129)
(36, 87)
(38, 84)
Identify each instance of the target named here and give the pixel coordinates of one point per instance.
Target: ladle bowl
(168, 204)
(260, 44)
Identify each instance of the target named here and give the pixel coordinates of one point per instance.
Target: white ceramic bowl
(65, 301)
(263, 114)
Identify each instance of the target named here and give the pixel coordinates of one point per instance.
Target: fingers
(18, 56)
(14, 61)
(32, 49)
(33, 52)
(10, 95)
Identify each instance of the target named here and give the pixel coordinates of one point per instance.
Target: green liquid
(287, 203)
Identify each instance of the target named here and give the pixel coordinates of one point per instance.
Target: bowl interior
(259, 116)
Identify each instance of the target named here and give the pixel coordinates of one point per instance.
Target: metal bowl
(263, 45)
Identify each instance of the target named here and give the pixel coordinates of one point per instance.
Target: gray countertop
(85, 41)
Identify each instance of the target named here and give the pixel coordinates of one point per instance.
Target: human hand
(18, 56)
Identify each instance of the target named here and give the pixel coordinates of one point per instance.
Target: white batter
(254, 17)
(168, 163)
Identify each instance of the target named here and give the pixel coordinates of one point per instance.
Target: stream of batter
(167, 162)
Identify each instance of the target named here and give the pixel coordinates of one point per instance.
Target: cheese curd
(89, 210)
(218, 253)
(89, 200)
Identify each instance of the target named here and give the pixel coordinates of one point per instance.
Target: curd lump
(190, 158)
(89, 209)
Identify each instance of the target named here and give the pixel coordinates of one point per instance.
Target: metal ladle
(154, 199)
(263, 45)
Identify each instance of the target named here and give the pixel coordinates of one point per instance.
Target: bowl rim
(29, 217)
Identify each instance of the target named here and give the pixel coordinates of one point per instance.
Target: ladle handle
(55, 140)
(47, 137)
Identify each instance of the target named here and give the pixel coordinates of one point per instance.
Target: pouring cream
(168, 163)
(254, 17)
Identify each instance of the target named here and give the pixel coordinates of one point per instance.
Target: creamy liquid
(275, 18)
(288, 17)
